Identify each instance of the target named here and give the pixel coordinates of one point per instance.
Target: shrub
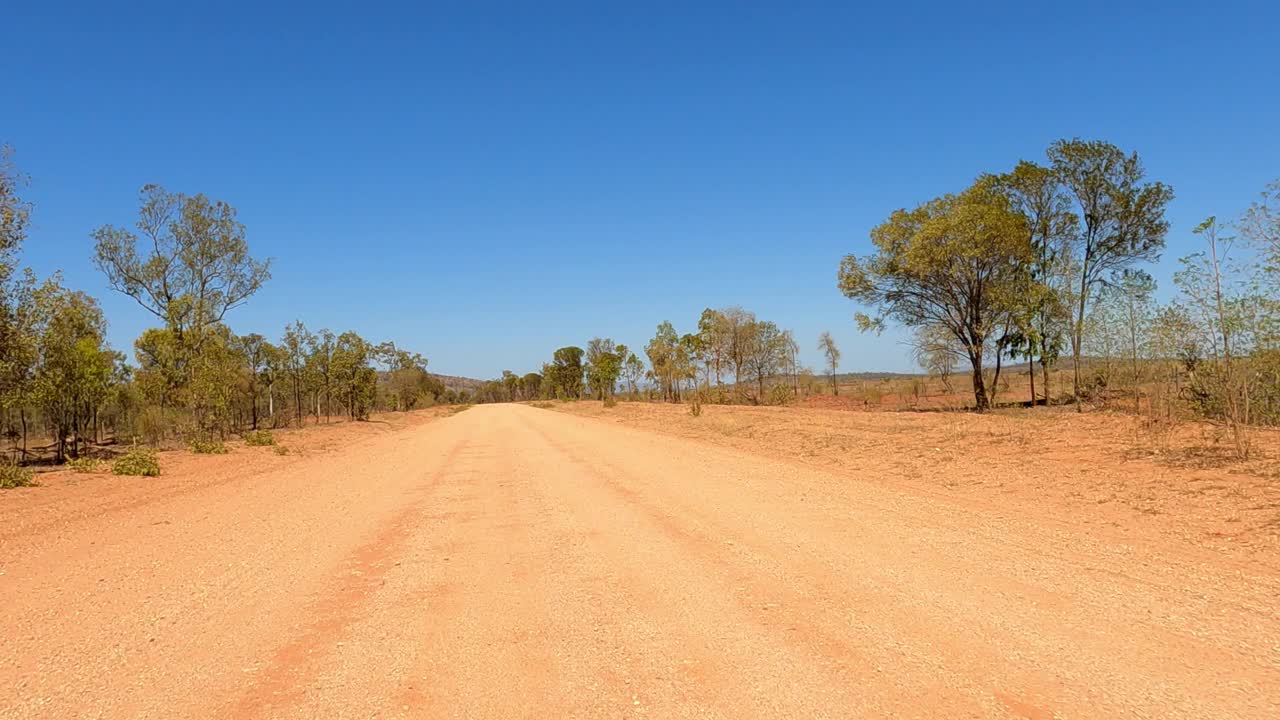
(15, 476)
(83, 465)
(208, 447)
(779, 394)
(871, 395)
(138, 461)
(259, 438)
(695, 405)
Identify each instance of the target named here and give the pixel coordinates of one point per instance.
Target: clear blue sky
(486, 182)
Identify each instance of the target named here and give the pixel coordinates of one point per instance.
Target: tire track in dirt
(781, 610)
(358, 577)
(988, 641)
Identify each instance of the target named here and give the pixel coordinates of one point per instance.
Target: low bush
(15, 476)
(780, 394)
(695, 405)
(259, 438)
(208, 447)
(138, 461)
(83, 464)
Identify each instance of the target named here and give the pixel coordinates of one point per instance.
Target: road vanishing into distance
(515, 562)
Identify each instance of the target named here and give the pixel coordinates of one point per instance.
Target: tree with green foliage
(17, 346)
(530, 386)
(257, 353)
(959, 262)
(75, 368)
(1042, 319)
(566, 373)
(633, 370)
(603, 367)
(1121, 220)
(669, 359)
(189, 268)
(196, 266)
(297, 338)
(407, 381)
(319, 367)
(353, 375)
(767, 351)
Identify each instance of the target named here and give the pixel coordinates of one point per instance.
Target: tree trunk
(995, 379)
(1078, 334)
(979, 384)
(1031, 373)
(1044, 368)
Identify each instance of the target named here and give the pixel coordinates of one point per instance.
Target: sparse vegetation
(84, 464)
(259, 438)
(1016, 266)
(207, 447)
(695, 405)
(185, 260)
(138, 461)
(15, 476)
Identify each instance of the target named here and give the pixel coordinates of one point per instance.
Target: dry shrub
(871, 394)
(15, 476)
(695, 405)
(259, 438)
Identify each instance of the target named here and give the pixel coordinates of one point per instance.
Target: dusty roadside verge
(1094, 470)
(63, 496)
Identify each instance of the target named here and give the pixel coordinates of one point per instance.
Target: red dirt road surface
(512, 562)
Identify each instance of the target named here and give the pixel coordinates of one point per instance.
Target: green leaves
(197, 265)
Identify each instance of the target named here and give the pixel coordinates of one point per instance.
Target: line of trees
(731, 357)
(1010, 266)
(188, 264)
(1046, 259)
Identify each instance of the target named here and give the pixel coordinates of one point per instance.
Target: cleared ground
(511, 561)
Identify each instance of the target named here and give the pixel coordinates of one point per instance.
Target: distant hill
(454, 382)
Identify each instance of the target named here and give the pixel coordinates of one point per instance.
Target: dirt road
(511, 562)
